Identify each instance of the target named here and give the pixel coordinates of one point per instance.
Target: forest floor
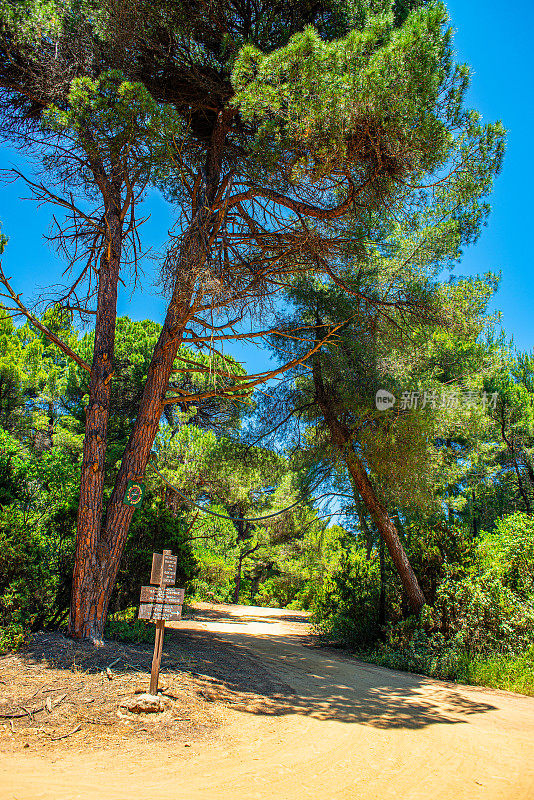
(254, 709)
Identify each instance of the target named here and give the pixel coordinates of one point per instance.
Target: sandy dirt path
(327, 727)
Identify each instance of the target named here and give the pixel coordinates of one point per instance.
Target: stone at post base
(146, 704)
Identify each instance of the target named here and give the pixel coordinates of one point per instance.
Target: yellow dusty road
(334, 729)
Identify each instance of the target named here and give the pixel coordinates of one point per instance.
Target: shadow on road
(219, 615)
(276, 675)
(296, 680)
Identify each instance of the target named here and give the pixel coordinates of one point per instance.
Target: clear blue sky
(496, 41)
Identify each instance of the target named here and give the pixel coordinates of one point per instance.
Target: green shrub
(124, 626)
(305, 598)
(345, 607)
(28, 585)
(514, 673)
(479, 624)
(214, 580)
(278, 591)
(508, 554)
(12, 636)
(482, 615)
(472, 621)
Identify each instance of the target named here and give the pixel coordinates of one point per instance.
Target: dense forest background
(457, 474)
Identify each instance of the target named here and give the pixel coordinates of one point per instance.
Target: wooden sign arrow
(153, 594)
(156, 612)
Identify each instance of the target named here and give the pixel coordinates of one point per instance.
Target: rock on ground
(146, 704)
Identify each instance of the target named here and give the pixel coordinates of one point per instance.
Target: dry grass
(61, 694)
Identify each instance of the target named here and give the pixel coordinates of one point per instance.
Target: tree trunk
(365, 529)
(172, 501)
(384, 524)
(382, 596)
(386, 528)
(98, 562)
(474, 516)
(50, 424)
(86, 565)
(237, 586)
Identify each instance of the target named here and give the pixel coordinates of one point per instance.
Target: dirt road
(323, 726)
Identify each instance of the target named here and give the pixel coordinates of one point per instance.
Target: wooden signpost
(160, 603)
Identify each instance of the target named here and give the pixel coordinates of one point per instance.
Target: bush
(437, 551)
(475, 621)
(278, 591)
(28, 585)
(346, 606)
(305, 598)
(124, 626)
(508, 554)
(214, 580)
(478, 626)
(482, 615)
(513, 673)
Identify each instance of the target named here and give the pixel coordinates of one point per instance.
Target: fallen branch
(18, 714)
(38, 690)
(64, 736)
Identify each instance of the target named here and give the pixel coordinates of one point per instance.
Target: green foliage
(153, 528)
(234, 481)
(12, 486)
(11, 373)
(508, 554)
(42, 399)
(135, 341)
(38, 501)
(481, 611)
(346, 606)
(124, 626)
(512, 673)
(215, 578)
(115, 120)
(382, 95)
(479, 615)
(28, 586)
(280, 591)
(37, 515)
(318, 97)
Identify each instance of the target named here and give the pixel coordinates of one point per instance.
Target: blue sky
(497, 45)
(496, 41)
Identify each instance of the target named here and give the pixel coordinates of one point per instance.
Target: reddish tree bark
(90, 505)
(101, 548)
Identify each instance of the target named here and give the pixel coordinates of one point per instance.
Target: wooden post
(158, 641)
(156, 658)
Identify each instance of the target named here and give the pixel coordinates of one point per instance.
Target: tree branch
(21, 308)
(298, 206)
